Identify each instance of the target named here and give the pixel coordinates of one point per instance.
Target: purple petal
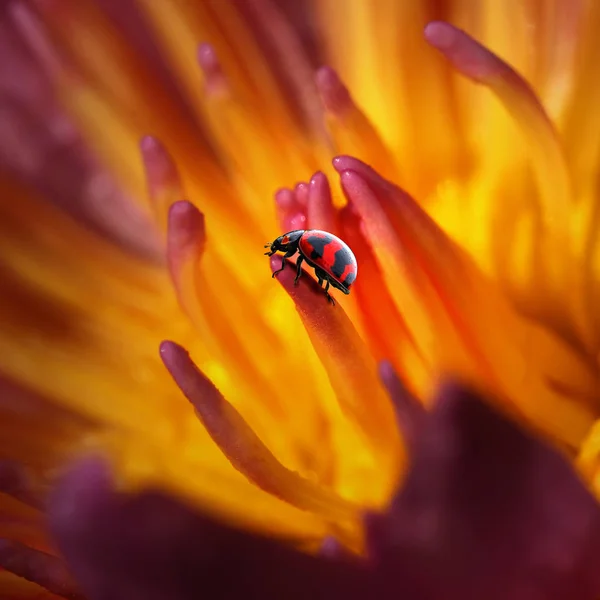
(38, 567)
(149, 546)
(488, 511)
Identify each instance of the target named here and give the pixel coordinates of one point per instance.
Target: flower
(472, 212)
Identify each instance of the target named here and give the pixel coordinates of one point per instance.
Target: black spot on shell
(339, 265)
(318, 245)
(350, 279)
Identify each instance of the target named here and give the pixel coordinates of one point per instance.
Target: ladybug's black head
(286, 242)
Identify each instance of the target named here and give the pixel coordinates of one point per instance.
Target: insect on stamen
(331, 257)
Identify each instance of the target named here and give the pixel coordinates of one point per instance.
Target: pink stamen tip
(194, 385)
(301, 193)
(351, 181)
(386, 371)
(207, 57)
(284, 199)
(186, 239)
(372, 177)
(291, 213)
(319, 189)
(182, 369)
(182, 208)
(333, 92)
(331, 548)
(342, 163)
(169, 351)
(149, 144)
(275, 262)
(157, 160)
(440, 34)
(215, 79)
(161, 172)
(186, 227)
(318, 178)
(320, 210)
(32, 30)
(468, 56)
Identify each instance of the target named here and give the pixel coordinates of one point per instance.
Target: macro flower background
(151, 149)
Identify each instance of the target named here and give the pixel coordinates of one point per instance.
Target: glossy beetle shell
(327, 252)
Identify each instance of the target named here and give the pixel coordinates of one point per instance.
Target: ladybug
(331, 258)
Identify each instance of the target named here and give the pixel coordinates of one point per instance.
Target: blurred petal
(401, 85)
(245, 145)
(477, 482)
(68, 315)
(301, 193)
(553, 248)
(477, 62)
(539, 526)
(185, 245)
(41, 144)
(164, 183)
(179, 27)
(275, 30)
(38, 567)
(242, 446)
(352, 131)
(581, 123)
(149, 546)
(17, 482)
(290, 212)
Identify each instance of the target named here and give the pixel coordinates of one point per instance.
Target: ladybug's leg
(288, 254)
(298, 268)
(329, 296)
(320, 276)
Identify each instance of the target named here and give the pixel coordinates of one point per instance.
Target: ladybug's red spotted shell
(333, 262)
(328, 252)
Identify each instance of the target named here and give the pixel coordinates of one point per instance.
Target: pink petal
(162, 178)
(488, 511)
(320, 213)
(351, 370)
(241, 445)
(477, 62)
